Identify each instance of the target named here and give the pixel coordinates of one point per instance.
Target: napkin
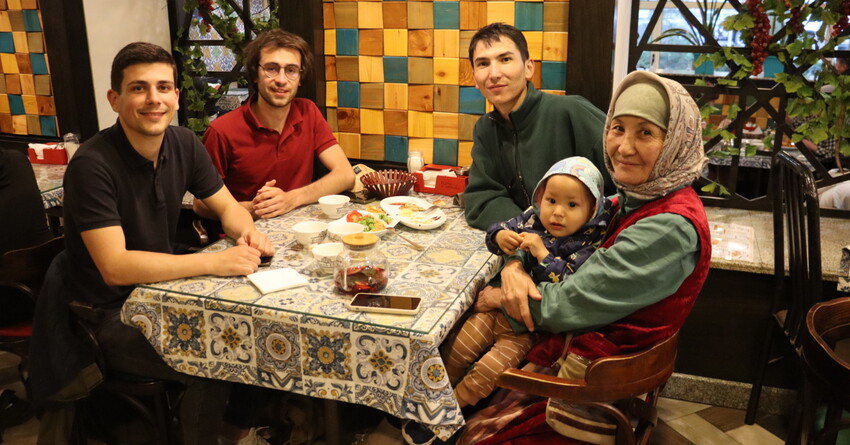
(429, 177)
(39, 149)
(277, 279)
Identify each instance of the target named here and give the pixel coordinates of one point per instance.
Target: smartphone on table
(386, 303)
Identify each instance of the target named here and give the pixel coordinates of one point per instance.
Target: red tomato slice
(354, 216)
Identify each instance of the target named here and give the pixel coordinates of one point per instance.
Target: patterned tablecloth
(49, 178)
(844, 278)
(305, 340)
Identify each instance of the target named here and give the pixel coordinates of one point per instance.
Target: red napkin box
(445, 185)
(56, 155)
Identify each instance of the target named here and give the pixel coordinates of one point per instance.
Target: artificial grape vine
(842, 23)
(760, 36)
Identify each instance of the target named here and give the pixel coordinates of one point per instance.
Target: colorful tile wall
(26, 95)
(398, 76)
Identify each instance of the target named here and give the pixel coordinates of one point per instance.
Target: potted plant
(709, 17)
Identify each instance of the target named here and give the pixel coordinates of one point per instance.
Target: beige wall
(110, 25)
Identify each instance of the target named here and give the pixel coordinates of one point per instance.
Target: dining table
(306, 340)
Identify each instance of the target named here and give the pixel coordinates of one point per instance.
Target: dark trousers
(204, 401)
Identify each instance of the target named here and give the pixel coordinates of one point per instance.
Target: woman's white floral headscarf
(682, 158)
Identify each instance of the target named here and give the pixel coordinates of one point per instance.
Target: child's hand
(534, 244)
(508, 241)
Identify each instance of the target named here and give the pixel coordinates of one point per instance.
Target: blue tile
(554, 75)
(31, 22)
(347, 42)
(395, 69)
(395, 148)
(39, 65)
(471, 101)
(445, 151)
(348, 94)
(16, 104)
(48, 125)
(7, 44)
(446, 15)
(529, 16)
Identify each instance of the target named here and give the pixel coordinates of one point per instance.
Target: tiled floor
(681, 423)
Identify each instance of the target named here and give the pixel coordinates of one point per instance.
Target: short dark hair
(276, 38)
(493, 33)
(134, 54)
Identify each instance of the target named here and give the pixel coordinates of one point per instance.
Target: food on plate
(375, 209)
(441, 203)
(372, 223)
(409, 206)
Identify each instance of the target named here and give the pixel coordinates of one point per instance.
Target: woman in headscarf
(640, 285)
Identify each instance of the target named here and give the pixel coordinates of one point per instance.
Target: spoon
(412, 243)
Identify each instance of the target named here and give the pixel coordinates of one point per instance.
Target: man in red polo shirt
(265, 149)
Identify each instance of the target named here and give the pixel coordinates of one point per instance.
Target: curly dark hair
(276, 38)
(493, 33)
(134, 54)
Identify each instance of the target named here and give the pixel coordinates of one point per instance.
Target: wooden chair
(827, 369)
(625, 387)
(21, 274)
(796, 221)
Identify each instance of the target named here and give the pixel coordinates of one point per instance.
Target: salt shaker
(414, 161)
(71, 142)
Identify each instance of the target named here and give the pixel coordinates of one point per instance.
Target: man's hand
(238, 260)
(517, 288)
(508, 241)
(257, 240)
(272, 201)
(534, 244)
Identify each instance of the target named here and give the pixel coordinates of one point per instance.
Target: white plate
(393, 220)
(415, 219)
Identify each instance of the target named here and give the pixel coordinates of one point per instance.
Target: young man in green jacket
(527, 132)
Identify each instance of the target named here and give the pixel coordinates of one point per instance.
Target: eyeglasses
(292, 72)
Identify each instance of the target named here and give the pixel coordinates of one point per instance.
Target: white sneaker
(253, 439)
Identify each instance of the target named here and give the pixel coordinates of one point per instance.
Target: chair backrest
(606, 379)
(28, 266)
(826, 324)
(796, 230)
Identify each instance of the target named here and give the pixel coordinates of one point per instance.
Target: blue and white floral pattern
(307, 341)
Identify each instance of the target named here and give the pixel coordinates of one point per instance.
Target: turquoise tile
(347, 42)
(445, 151)
(7, 44)
(395, 69)
(471, 101)
(31, 22)
(48, 126)
(395, 148)
(447, 15)
(554, 75)
(529, 16)
(39, 65)
(16, 104)
(348, 94)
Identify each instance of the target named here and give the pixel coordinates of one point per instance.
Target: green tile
(395, 69)
(445, 151)
(16, 104)
(554, 75)
(347, 42)
(39, 64)
(395, 148)
(7, 44)
(31, 22)
(48, 126)
(471, 101)
(348, 94)
(529, 16)
(447, 15)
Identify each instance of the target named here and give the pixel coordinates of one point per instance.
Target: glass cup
(70, 142)
(415, 161)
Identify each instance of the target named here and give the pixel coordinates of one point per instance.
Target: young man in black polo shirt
(123, 192)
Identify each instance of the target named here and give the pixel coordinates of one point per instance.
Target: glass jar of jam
(361, 267)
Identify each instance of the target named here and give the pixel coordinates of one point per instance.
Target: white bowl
(310, 232)
(325, 255)
(333, 206)
(338, 229)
